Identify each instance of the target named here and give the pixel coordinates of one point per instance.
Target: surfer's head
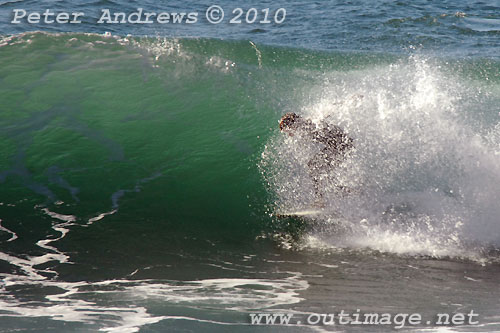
(289, 121)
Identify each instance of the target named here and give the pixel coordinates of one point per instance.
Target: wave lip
(482, 24)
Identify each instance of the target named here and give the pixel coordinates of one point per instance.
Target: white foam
(101, 216)
(62, 217)
(424, 179)
(85, 302)
(13, 235)
(230, 294)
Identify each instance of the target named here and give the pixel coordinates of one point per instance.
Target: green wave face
(169, 132)
(160, 130)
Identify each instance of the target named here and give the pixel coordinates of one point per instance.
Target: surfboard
(300, 213)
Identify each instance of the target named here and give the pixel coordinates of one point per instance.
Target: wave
(181, 133)
(481, 25)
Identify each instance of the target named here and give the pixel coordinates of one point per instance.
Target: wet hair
(288, 120)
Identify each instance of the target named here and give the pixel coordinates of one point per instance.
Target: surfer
(336, 144)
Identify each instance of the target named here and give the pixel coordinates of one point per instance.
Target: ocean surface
(142, 167)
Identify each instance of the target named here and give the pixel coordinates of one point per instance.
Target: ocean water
(141, 167)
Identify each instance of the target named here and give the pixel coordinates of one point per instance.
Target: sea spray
(421, 179)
